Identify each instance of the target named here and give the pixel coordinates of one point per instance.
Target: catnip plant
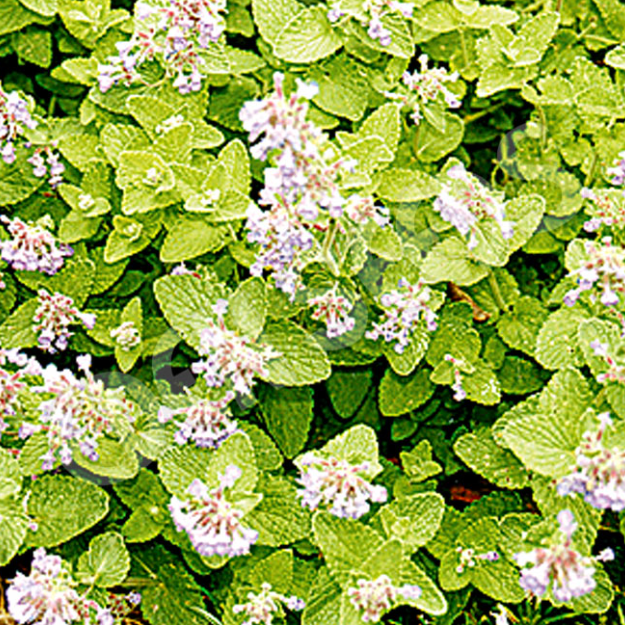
(311, 313)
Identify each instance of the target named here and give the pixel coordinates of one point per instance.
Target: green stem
(592, 171)
(494, 287)
(52, 106)
(326, 250)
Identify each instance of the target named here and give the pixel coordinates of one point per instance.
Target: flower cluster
(337, 482)
(615, 372)
(53, 317)
(175, 33)
(370, 15)
(468, 558)
(456, 387)
(79, 412)
(333, 309)
(425, 87)
(606, 207)
(15, 118)
(32, 247)
(50, 165)
(464, 201)
(283, 240)
(14, 368)
(230, 357)
(261, 608)
(603, 269)
(212, 523)
(567, 572)
(126, 335)
(599, 473)
(47, 596)
(617, 171)
(405, 309)
(302, 185)
(375, 597)
(207, 423)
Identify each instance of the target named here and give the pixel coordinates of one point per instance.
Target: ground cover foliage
(312, 312)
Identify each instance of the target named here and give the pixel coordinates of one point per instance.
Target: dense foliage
(312, 312)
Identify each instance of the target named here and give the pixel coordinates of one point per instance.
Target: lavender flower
(602, 270)
(302, 187)
(261, 608)
(468, 558)
(212, 523)
(283, 240)
(15, 368)
(614, 372)
(459, 392)
(464, 201)
(32, 247)
(48, 596)
(50, 165)
(405, 309)
(79, 411)
(328, 481)
(333, 309)
(126, 335)
(207, 423)
(425, 87)
(375, 597)
(52, 320)
(174, 32)
(15, 118)
(599, 474)
(606, 207)
(617, 171)
(370, 14)
(559, 566)
(230, 358)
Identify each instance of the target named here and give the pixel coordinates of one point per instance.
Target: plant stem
(494, 287)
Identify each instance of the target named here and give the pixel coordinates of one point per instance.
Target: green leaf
(414, 520)
(186, 302)
(247, 307)
(17, 182)
(482, 454)
(450, 261)
(302, 361)
(106, 563)
(13, 528)
(546, 441)
(399, 395)
(63, 507)
(347, 390)
(519, 327)
(116, 460)
(406, 185)
(357, 445)
(557, 344)
(306, 38)
(18, 329)
(173, 597)
(47, 8)
(179, 466)
(279, 518)
(190, 237)
(271, 17)
(288, 414)
(345, 543)
(323, 604)
(418, 464)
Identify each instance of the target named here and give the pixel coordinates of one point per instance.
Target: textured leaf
(106, 563)
(288, 414)
(302, 361)
(63, 507)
